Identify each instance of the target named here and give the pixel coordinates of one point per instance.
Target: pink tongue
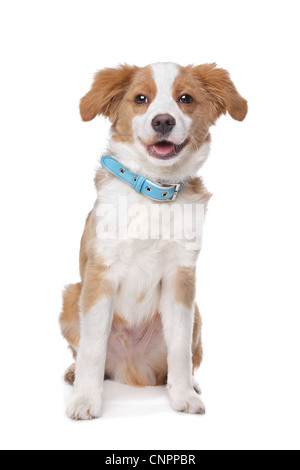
(163, 149)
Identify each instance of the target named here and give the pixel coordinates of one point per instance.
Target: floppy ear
(107, 91)
(221, 92)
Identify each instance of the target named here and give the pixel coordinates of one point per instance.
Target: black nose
(163, 123)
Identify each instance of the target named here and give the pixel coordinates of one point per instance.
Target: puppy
(133, 317)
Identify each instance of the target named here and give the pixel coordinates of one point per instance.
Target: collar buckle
(163, 187)
(176, 192)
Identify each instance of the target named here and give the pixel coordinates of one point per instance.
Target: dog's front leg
(96, 311)
(178, 310)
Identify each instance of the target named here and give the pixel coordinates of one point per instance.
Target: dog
(133, 317)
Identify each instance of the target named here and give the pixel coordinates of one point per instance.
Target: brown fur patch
(69, 318)
(95, 286)
(142, 84)
(197, 348)
(92, 270)
(100, 178)
(74, 352)
(135, 376)
(70, 375)
(213, 94)
(113, 95)
(195, 186)
(220, 91)
(141, 298)
(132, 376)
(107, 91)
(119, 322)
(185, 286)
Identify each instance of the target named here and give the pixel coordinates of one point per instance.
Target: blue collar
(155, 191)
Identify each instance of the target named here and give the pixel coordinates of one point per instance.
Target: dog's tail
(69, 318)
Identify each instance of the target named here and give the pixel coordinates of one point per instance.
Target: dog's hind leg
(197, 347)
(197, 340)
(69, 323)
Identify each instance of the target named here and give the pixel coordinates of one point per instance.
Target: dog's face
(162, 113)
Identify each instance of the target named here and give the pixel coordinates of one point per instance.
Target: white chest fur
(144, 241)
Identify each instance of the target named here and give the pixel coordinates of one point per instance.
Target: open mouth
(164, 149)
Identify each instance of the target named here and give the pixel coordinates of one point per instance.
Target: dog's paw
(84, 408)
(188, 402)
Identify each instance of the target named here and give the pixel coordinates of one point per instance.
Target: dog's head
(161, 114)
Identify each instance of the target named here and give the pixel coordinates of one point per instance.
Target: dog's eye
(186, 99)
(141, 99)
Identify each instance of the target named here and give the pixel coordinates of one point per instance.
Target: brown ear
(108, 89)
(221, 92)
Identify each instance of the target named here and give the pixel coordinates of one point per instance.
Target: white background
(248, 284)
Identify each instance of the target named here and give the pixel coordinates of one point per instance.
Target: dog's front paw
(83, 408)
(187, 402)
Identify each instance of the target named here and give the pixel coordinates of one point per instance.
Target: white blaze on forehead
(164, 75)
